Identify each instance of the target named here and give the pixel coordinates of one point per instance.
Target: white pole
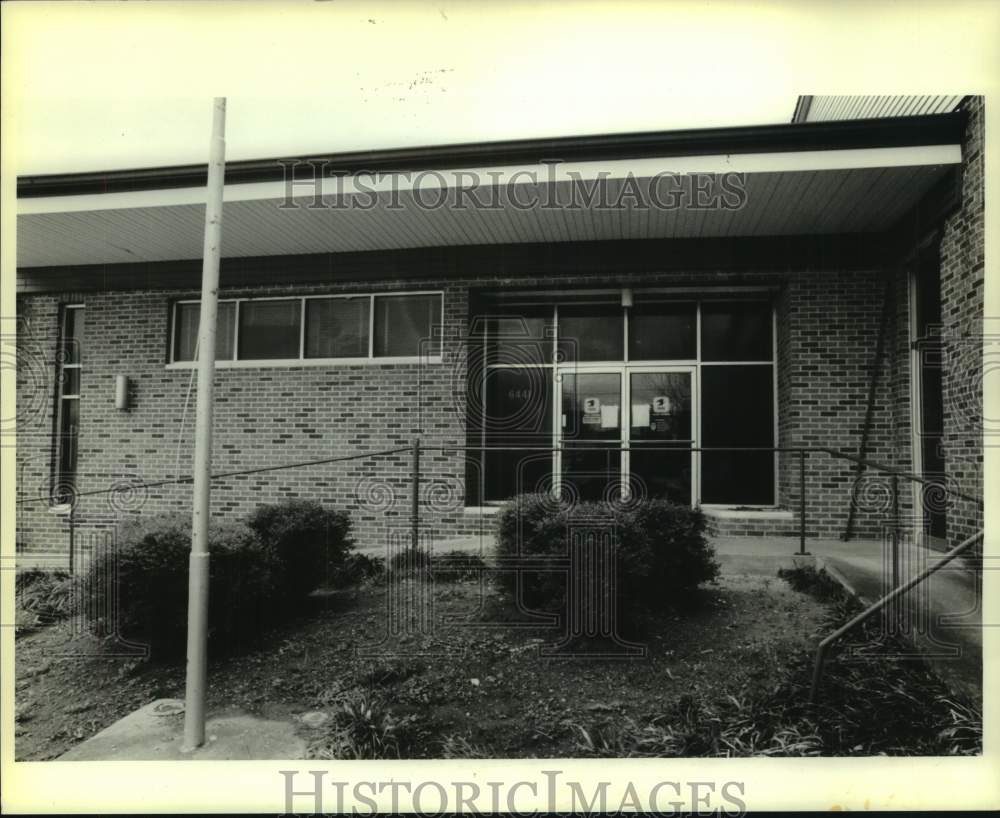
(197, 633)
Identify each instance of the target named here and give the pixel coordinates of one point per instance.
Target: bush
(356, 569)
(148, 569)
(457, 566)
(660, 548)
(307, 543)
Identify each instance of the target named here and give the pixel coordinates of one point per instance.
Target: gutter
(890, 132)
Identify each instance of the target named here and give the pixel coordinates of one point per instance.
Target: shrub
(457, 566)
(148, 570)
(355, 569)
(660, 550)
(307, 543)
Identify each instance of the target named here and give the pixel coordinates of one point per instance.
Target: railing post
(802, 502)
(415, 495)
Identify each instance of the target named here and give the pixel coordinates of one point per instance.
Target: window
(270, 329)
(662, 332)
(524, 335)
(315, 328)
(737, 413)
(337, 327)
(736, 331)
(69, 363)
(595, 332)
(186, 326)
(706, 361)
(404, 324)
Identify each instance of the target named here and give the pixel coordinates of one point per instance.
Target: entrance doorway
(609, 394)
(626, 431)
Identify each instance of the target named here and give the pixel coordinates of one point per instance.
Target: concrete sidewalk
(155, 733)
(942, 616)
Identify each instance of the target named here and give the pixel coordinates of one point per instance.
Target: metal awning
(816, 178)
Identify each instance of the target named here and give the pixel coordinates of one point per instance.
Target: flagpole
(197, 633)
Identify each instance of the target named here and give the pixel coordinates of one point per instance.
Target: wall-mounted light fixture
(121, 392)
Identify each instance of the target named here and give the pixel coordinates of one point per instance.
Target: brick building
(672, 314)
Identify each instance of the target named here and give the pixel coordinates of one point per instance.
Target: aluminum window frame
(57, 474)
(301, 361)
(697, 295)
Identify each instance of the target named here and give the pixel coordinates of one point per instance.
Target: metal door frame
(625, 372)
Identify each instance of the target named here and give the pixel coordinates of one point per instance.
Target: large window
(354, 328)
(69, 368)
(632, 398)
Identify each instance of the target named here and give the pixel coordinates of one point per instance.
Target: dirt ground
(471, 675)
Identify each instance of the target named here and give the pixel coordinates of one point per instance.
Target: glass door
(591, 434)
(660, 433)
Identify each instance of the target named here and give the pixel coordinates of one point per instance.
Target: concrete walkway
(942, 616)
(155, 733)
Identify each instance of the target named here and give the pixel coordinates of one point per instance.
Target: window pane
(521, 336)
(69, 423)
(593, 332)
(736, 331)
(72, 334)
(518, 416)
(270, 329)
(70, 381)
(737, 409)
(661, 332)
(337, 327)
(404, 325)
(188, 317)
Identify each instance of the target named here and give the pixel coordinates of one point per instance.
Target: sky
(335, 76)
(118, 85)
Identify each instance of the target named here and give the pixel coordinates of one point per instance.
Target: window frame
(766, 294)
(58, 475)
(301, 361)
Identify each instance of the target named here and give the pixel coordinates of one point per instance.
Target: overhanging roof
(812, 178)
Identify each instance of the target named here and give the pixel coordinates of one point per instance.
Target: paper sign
(661, 405)
(640, 414)
(591, 405)
(609, 417)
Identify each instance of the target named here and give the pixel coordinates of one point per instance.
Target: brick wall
(827, 328)
(962, 273)
(828, 336)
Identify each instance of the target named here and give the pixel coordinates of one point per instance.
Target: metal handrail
(916, 478)
(874, 608)
(217, 476)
